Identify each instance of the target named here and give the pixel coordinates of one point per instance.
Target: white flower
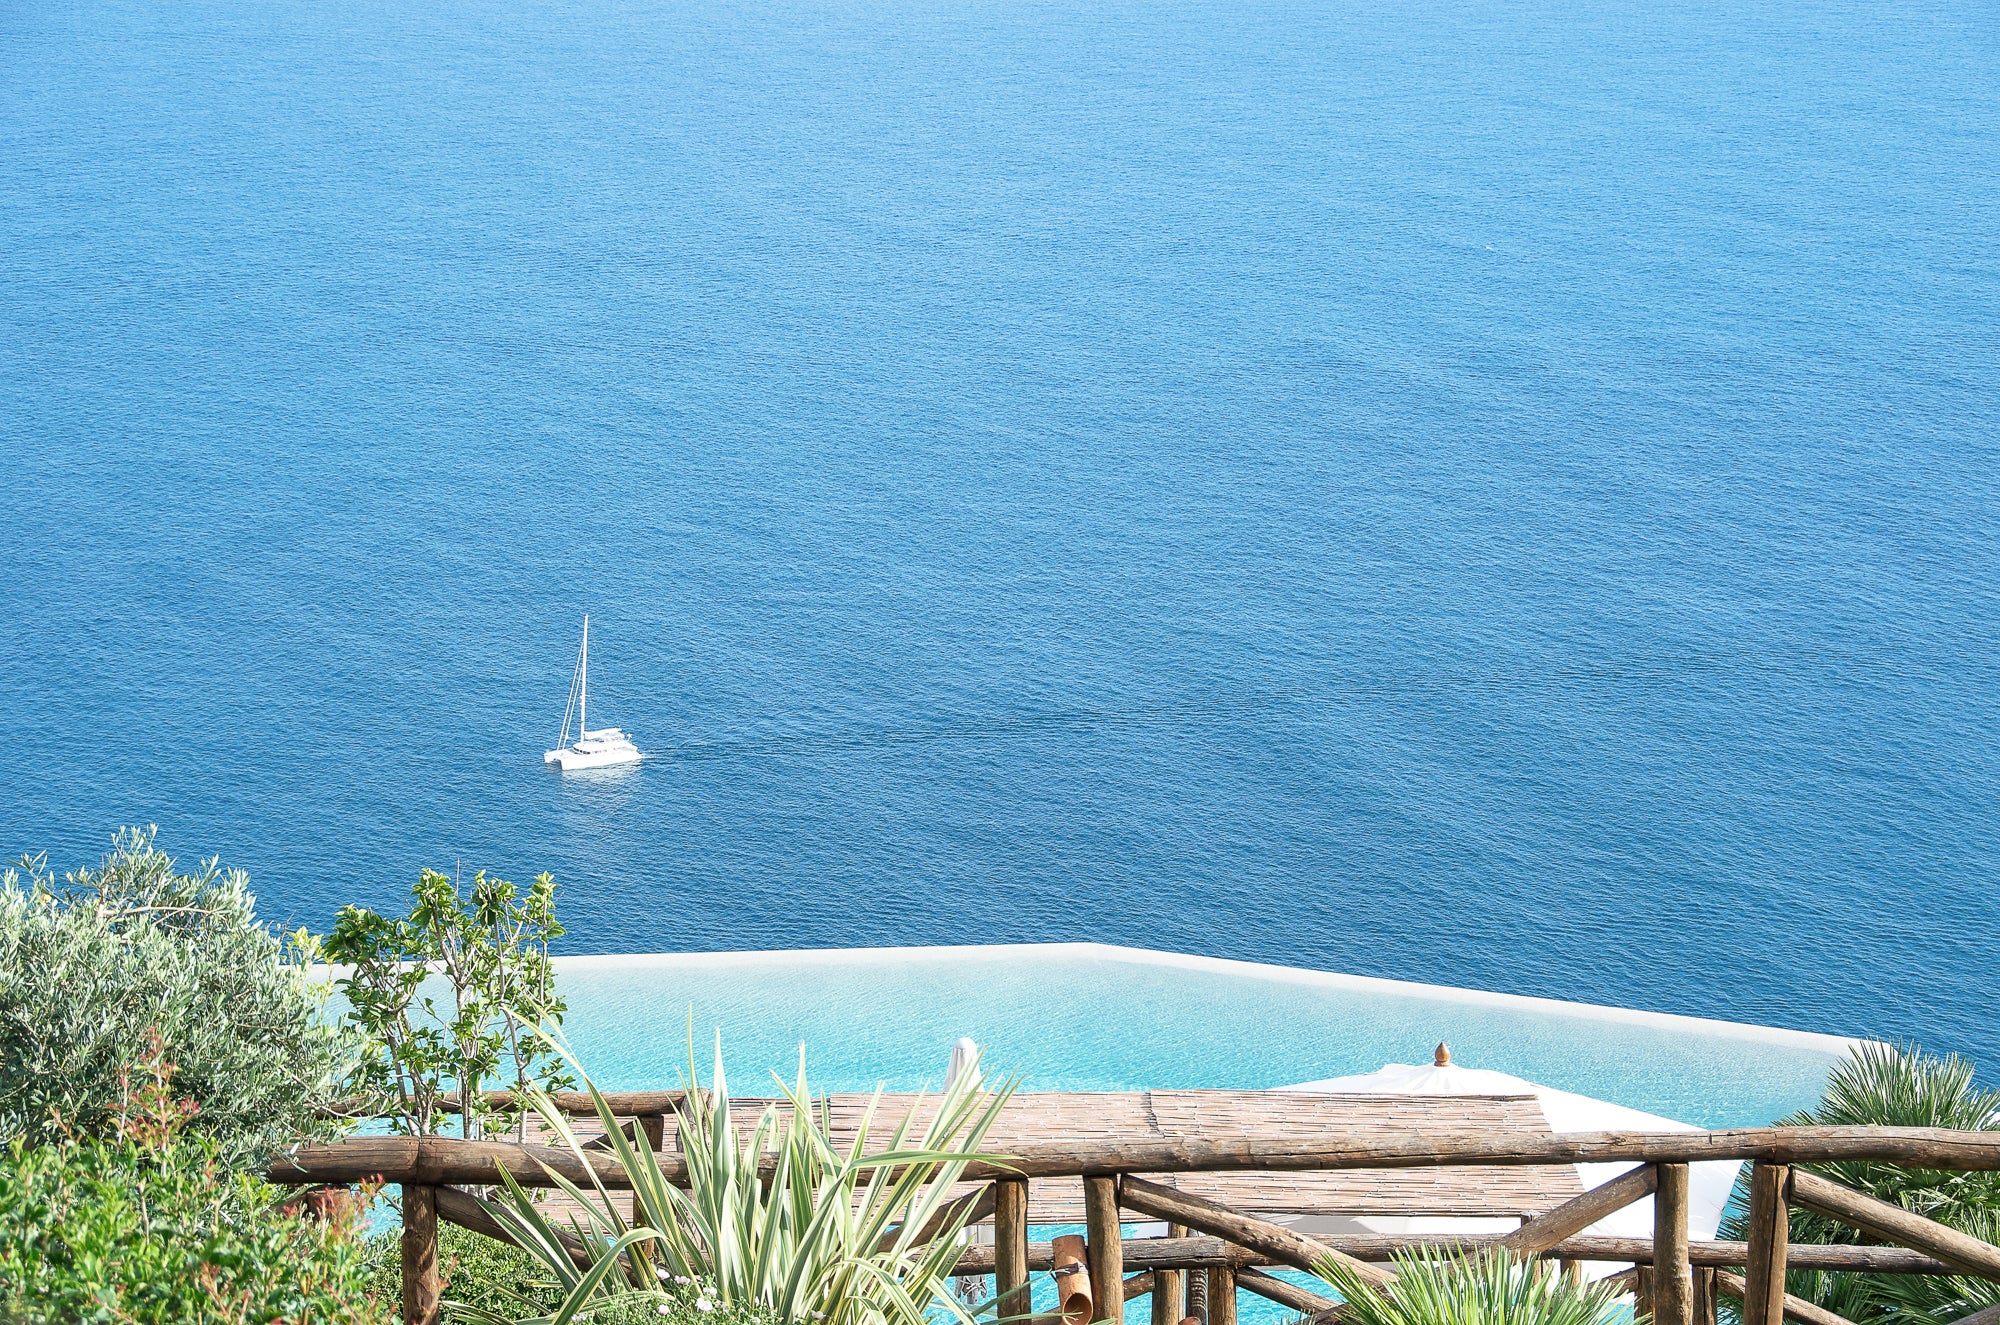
(662, 1272)
(665, 1309)
(682, 1279)
(703, 1304)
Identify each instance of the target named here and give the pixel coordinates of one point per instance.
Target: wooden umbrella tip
(1443, 1056)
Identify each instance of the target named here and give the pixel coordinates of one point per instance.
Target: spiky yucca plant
(1888, 1085)
(776, 1218)
(1480, 1287)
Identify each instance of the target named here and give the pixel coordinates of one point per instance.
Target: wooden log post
(1673, 1282)
(1105, 1248)
(1010, 1246)
(1221, 1295)
(1770, 1231)
(421, 1287)
(1642, 1290)
(1197, 1296)
(1167, 1284)
(1702, 1303)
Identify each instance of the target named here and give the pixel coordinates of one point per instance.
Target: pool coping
(1112, 952)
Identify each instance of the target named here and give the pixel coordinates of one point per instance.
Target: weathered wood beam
(1573, 1216)
(1169, 1288)
(464, 1210)
(1139, 1284)
(1988, 1316)
(977, 1206)
(1103, 1247)
(1273, 1240)
(1799, 1256)
(1221, 1295)
(422, 1289)
(1795, 1308)
(1284, 1292)
(1769, 1234)
(1010, 1247)
(1892, 1223)
(1673, 1274)
(435, 1160)
(1139, 1254)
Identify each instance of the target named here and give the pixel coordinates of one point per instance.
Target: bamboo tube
(1010, 1246)
(1770, 1223)
(1105, 1250)
(1074, 1289)
(421, 1287)
(1673, 1289)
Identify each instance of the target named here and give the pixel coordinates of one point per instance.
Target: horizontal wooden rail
(440, 1159)
(464, 1209)
(1575, 1215)
(1140, 1254)
(1284, 1292)
(1892, 1223)
(1796, 1308)
(1915, 1147)
(624, 1103)
(1279, 1243)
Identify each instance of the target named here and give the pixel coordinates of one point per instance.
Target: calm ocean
(1495, 492)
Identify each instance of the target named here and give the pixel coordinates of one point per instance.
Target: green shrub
(91, 966)
(485, 1279)
(148, 1227)
(866, 1235)
(1891, 1086)
(1486, 1288)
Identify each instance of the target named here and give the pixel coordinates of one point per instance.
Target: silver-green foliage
(91, 964)
(1895, 1086)
(776, 1216)
(1483, 1287)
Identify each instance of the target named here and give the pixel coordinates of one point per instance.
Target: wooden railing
(1212, 1251)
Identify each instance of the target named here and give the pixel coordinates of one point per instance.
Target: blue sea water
(1490, 492)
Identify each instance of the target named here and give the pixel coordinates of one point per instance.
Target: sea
(1498, 493)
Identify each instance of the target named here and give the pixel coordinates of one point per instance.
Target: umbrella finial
(1443, 1056)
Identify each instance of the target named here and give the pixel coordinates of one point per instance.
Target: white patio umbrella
(964, 1063)
(1709, 1183)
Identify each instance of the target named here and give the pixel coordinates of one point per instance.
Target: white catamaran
(593, 749)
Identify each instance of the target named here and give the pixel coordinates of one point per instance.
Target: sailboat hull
(598, 749)
(570, 759)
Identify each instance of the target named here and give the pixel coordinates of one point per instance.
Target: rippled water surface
(1484, 492)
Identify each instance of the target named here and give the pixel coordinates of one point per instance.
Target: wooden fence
(1212, 1251)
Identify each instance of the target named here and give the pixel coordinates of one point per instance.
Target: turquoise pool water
(1095, 1017)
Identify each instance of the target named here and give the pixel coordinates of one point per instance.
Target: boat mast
(583, 683)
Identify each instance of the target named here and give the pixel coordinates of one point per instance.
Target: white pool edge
(1740, 1030)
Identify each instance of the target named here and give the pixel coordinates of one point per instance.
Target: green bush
(147, 1227)
(486, 1279)
(89, 967)
(1890, 1086)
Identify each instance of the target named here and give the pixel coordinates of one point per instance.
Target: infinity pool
(1085, 1016)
